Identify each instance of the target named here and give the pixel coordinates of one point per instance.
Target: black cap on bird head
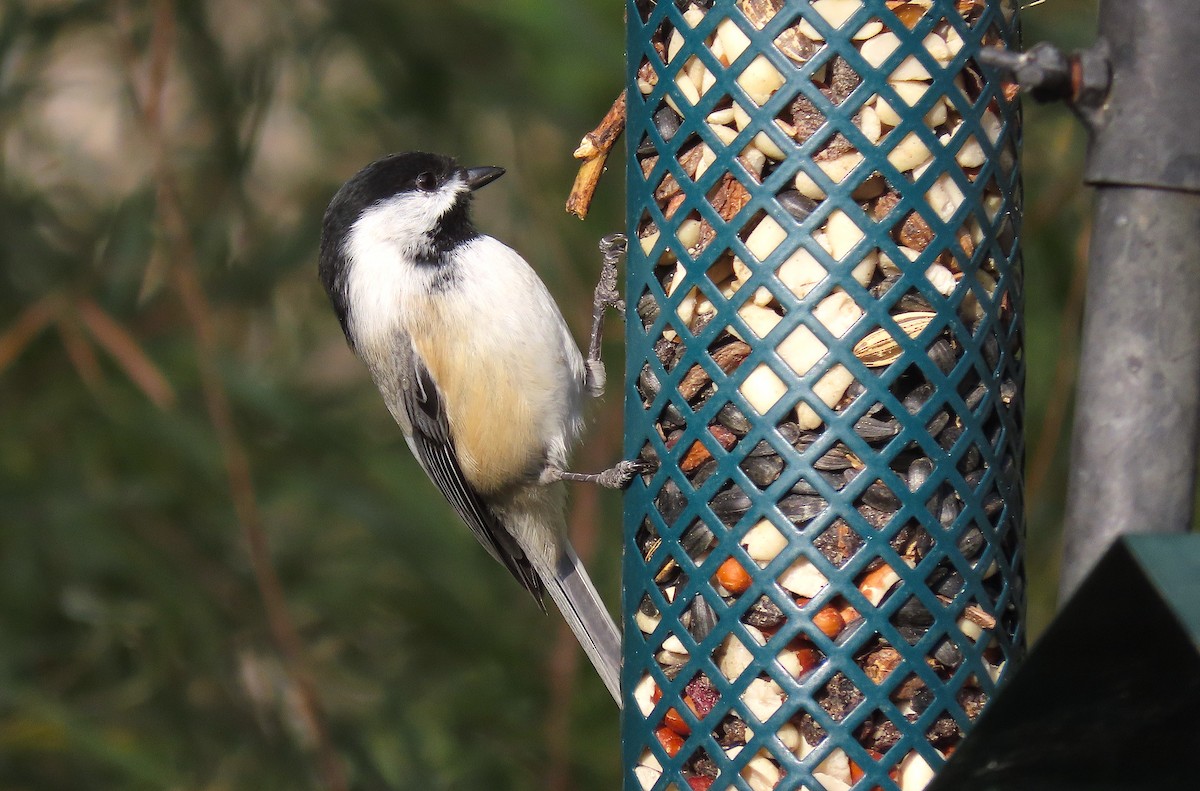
(406, 176)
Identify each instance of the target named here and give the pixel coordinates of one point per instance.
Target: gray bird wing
(434, 448)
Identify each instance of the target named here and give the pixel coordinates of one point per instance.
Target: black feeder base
(1109, 698)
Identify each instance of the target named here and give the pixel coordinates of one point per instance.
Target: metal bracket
(1082, 79)
(1134, 90)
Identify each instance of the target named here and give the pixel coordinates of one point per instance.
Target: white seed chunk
(647, 776)
(733, 657)
(693, 15)
(764, 542)
(971, 154)
(761, 773)
(707, 157)
(870, 124)
(643, 695)
(915, 772)
(836, 12)
(941, 279)
(733, 41)
(760, 80)
(741, 118)
(763, 142)
(937, 115)
(721, 117)
(876, 50)
(803, 578)
(760, 320)
(674, 44)
(835, 765)
(872, 28)
(910, 153)
(647, 623)
(909, 91)
(722, 133)
(865, 269)
(674, 645)
(790, 663)
(789, 734)
(945, 196)
(763, 698)
(765, 237)
(954, 41)
(843, 234)
(687, 87)
(754, 159)
(829, 388)
(649, 240)
(935, 45)
(688, 233)
(835, 169)
(972, 630)
(801, 272)
(762, 389)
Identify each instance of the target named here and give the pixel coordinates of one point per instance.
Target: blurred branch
(124, 348)
(28, 325)
(81, 354)
(185, 277)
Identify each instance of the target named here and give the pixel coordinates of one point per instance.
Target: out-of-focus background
(219, 566)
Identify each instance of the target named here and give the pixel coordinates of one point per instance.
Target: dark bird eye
(426, 182)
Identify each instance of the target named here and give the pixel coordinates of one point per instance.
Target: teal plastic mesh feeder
(823, 579)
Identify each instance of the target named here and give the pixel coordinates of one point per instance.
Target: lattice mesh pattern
(824, 582)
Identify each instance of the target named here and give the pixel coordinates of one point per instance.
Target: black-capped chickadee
(476, 364)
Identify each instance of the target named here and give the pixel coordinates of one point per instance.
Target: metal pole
(1137, 412)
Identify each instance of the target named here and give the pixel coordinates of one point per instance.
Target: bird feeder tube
(823, 581)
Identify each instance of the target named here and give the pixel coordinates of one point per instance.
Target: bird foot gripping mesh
(824, 579)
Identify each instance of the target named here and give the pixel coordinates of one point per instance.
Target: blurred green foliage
(134, 648)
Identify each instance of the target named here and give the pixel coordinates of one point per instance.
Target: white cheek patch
(379, 252)
(405, 221)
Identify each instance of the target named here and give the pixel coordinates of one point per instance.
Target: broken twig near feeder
(594, 150)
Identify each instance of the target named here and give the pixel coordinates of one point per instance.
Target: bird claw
(613, 246)
(622, 473)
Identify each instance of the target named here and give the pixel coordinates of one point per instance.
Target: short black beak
(481, 177)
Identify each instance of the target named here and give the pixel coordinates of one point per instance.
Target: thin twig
(186, 280)
(601, 139)
(594, 150)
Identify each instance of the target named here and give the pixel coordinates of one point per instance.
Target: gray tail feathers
(570, 588)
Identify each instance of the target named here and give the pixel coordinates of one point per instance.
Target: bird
(476, 365)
